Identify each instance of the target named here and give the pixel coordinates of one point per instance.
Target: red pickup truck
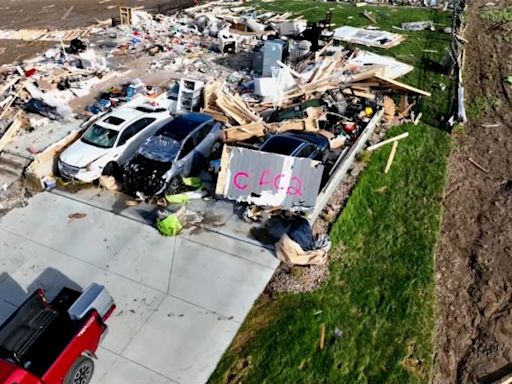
(54, 342)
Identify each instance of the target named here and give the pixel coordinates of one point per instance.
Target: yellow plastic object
(180, 198)
(193, 182)
(170, 226)
(368, 111)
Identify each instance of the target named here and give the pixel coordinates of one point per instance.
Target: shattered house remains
(269, 110)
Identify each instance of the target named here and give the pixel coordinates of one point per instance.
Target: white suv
(110, 142)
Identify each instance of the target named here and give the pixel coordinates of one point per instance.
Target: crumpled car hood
(80, 154)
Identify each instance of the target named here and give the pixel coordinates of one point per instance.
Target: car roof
(287, 143)
(180, 127)
(125, 114)
(319, 140)
(282, 144)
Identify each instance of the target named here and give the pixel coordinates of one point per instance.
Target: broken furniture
(126, 15)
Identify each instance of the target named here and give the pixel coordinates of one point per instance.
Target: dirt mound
(474, 260)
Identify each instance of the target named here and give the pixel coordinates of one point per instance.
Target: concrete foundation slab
(184, 341)
(180, 301)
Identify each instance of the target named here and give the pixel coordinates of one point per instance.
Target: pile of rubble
(292, 102)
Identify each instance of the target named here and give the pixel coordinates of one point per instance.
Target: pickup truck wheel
(81, 372)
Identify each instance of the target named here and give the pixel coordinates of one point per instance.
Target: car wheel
(81, 372)
(174, 186)
(111, 169)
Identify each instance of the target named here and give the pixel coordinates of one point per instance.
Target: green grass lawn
(378, 305)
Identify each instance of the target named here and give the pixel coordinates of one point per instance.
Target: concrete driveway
(180, 300)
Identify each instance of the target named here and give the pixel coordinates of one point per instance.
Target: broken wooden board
(235, 108)
(391, 157)
(382, 143)
(244, 132)
(10, 133)
(268, 179)
(308, 125)
(401, 87)
(389, 109)
(44, 163)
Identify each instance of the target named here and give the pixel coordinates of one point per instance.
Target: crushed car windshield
(161, 148)
(100, 136)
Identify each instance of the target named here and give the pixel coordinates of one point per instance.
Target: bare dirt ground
(474, 260)
(53, 14)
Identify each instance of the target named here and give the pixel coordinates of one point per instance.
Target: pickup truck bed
(36, 334)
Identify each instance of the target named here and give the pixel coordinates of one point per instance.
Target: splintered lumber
(209, 93)
(322, 51)
(406, 111)
(10, 134)
(389, 109)
(292, 72)
(315, 112)
(355, 92)
(322, 336)
(401, 86)
(369, 16)
(480, 167)
(235, 108)
(308, 125)
(391, 156)
(393, 139)
(244, 132)
(6, 107)
(417, 120)
(217, 115)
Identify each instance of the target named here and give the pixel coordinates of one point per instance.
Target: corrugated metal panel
(270, 180)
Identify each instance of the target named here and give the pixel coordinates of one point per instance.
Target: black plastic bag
(43, 109)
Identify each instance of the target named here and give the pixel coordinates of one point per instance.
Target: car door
(184, 161)
(204, 138)
(131, 138)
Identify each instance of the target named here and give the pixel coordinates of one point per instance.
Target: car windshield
(161, 148)
(281, 145)
(100, 136)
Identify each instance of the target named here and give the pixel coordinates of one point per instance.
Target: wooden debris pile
(218, 101)
(327, 71)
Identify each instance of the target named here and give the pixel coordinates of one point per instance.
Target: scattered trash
(381, 39)
(284, 106)
(43, 109)
(169, 223)
(77, 216)
(291, 251)
(109, 183)
(418, 26)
